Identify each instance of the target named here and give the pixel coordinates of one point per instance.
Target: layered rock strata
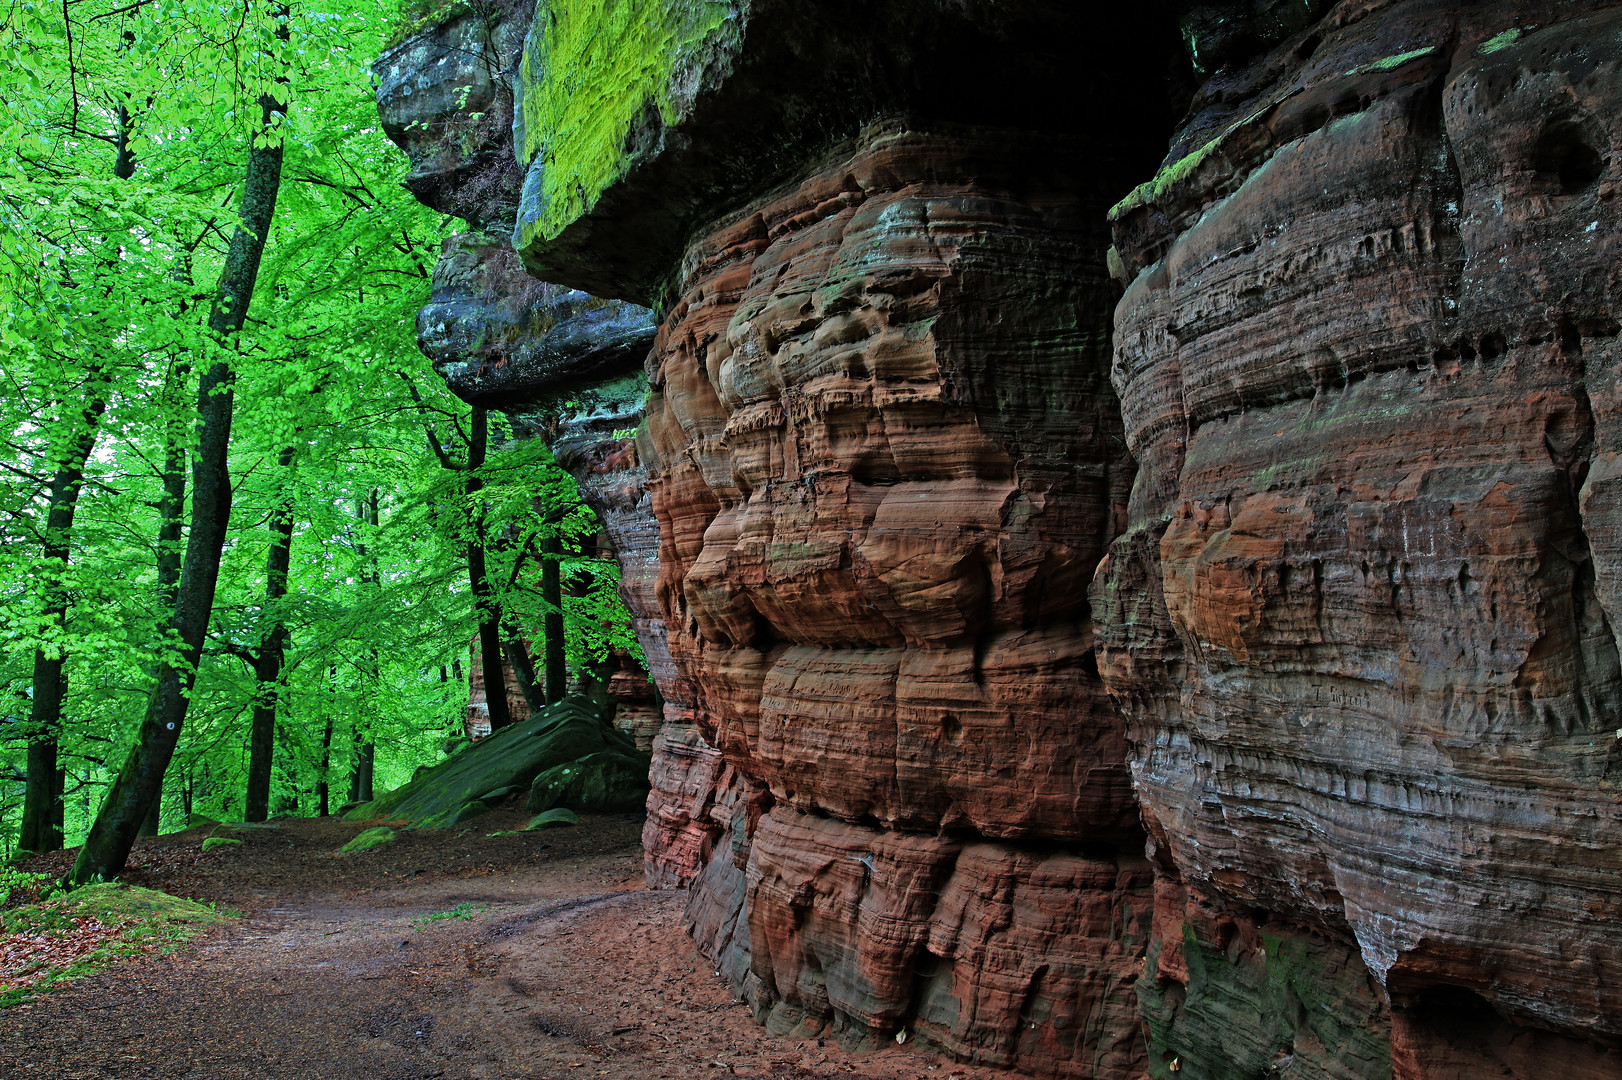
(1362, 623)
(884, 463)
(887, 465)
(1356, 618)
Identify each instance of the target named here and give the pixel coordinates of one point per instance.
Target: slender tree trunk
(43, 812)
(171, 515)
(268, 657)
(323, 790)
(369, 750)
(360, 775)
(107, 847)
(43, 795)
(554, 655)
(484, 601)
(171, 534)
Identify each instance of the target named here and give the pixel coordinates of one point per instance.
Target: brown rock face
(887, 465)
(1362, 625)
(873, 538)
(1350, 527)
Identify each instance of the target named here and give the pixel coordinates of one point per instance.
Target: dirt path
(448, 955)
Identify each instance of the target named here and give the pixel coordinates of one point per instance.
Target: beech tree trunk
(42, 798)
(360, 773)
(484, 601)
(107, 847)
(154, 815)
(360, 776)
(323, 790)
(554, 655)
(272, 649)
(171, 534)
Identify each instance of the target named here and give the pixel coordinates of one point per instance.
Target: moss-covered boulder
(504, 763)
(609, 782)
(368, 840)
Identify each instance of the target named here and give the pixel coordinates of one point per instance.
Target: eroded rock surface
(874, 549)
(1357, 620)
(445, 96)
(1362, 623)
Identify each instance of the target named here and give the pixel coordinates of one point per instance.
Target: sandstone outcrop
(885, 463)
(1361, 625)
(874, 555)
(1212, 673)
(564, 365)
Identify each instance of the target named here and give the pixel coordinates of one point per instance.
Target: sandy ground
(559, 964)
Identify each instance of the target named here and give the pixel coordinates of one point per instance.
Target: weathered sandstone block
(885, 463)
(996, 954)
(1362, 623)
(873, 544)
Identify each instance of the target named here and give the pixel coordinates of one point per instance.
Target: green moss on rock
(598, 82)
(455, 790)
(603, 783)
(1499, 41)
(369, 839)
(1156, 190)
(1299, 1006)
(1392, 63)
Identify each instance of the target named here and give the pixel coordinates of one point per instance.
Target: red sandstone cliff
(1361, 626)
(888, 463)
(1348, 439)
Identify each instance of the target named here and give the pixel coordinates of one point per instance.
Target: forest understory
(450, 954)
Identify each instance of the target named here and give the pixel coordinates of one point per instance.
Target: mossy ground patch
(66, 936)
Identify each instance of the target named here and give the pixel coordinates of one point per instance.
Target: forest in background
(134, 337)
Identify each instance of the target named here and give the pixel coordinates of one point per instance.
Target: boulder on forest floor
(603, 783)
(367, 840)
(568, 733)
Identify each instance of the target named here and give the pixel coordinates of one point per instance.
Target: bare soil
(557, 963)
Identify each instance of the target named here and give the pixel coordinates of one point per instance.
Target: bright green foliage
(13, 880)
(369, 839)
(107, 276)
